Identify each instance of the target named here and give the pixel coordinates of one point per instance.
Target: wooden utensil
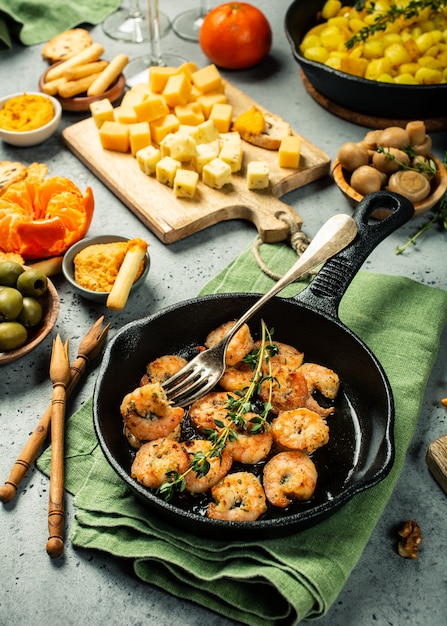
(60, 377)
(436, 459)
(89, 348)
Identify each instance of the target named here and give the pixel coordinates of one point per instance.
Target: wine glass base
(123, 27)
(137, 70)
(187, 25)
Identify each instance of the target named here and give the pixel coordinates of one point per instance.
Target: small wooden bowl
(81, 103)
(50, 306)
(439, 186)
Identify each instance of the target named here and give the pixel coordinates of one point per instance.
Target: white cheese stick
(126, 275)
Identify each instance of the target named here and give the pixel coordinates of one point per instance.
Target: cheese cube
(205, 132)
(185, 183)
(142, 88)
(177, 90)
(125, 115)
(114, 136)
(231, 137)
(208, 100)
(131, 98)
(151, 108)
(216, 173)
(207, 78)
(147, 159)
(205, 153)
(163, 126)
(258, 175)
(165, 144)
(182, 147)
(102, 111)
(139, 136)
(190, 113)
(289, 152)
(187, 68)
(158, 77)
(166, 169)
(221, 115)
(232, 153)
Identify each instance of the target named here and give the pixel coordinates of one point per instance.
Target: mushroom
(390, 160)
(366, 179)
(410, 184)
(424, 147)
(352, 155)
(416, 131)
(394, 137)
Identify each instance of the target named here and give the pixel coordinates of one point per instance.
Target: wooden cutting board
(171, 218)
(436, 459)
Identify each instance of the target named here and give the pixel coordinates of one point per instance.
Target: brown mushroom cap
(410, 184)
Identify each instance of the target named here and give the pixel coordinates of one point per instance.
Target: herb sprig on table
(237, 409)
(412, 9)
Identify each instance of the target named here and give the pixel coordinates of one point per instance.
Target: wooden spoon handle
(55, 543)
(31, 449)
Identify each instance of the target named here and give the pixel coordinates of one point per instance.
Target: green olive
(11, 302)
(32, 283)
(9, 272)
(12, 335)
(31, 313)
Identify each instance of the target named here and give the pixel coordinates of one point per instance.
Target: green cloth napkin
(36, 21)
(275, 581)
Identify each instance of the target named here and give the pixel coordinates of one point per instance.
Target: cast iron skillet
(360, 451)
(374, 98)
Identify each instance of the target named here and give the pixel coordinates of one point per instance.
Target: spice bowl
(438, 188)
(68, 267)
(24, 138)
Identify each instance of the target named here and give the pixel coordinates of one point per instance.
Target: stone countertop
(86, 586)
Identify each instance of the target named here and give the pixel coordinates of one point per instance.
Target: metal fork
(202, 373)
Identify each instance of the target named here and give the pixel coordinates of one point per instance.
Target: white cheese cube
(205, 152)
(216, 173)
(183, 147)
(258, 175)
(205, 132)
(230, 137)
(165, 144)
(231, 153)
(166, 169)
(185, 183)
(147, 159)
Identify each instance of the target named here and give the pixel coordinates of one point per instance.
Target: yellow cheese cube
(147, 159)
(190, 113)
(207, 78)
(183, 147)
(221, 115)
(163, 126)
(188, 68)
(205, 132)
(258, 175)
(139, 136)
(177, 90)
(131, 98)
(185, 183)
(151, 108)
(205, 153)
(166, 169)
(102, 111)
(125, 115)
(140, 88)
(289, 152)
(195, 93)
(158, 77)
(216, 173)
(232, 153)
(114, 136)
(208, 100)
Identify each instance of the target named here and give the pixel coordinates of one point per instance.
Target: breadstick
(52, 87)
(109, 75)
(79, 71)
(74, 87)
(92, 53)
(127, 273)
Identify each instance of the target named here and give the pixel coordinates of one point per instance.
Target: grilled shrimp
(237, 377)
(158, 461)
(162, 368)
(213, 406)
(219, 466)
(299, 429)
(248, 447)
(238, 497)
(240, 345)
(322, 379)
(289, 476)
(147, 413)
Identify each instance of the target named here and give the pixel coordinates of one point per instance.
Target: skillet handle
(330, 284)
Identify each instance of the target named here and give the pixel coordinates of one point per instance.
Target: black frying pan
(360, 452)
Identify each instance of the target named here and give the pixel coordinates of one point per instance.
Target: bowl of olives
(29, 307)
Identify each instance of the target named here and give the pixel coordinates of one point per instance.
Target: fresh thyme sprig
(423, 166)
(237, 407)
(412, 9)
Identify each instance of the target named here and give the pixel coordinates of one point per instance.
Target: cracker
(66, 44)
(11, 172)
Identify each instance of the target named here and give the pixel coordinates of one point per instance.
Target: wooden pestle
(89, 348)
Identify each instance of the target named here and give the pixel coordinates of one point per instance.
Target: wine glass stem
(154, 31)
(134, 9)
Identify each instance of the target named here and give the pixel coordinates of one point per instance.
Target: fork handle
(332, 237)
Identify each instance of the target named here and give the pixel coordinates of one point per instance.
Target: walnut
(411, 538)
